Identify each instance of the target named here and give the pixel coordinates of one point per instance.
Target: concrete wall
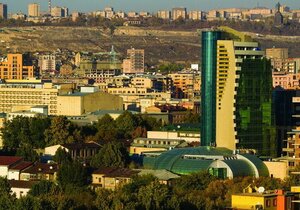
(277, 169)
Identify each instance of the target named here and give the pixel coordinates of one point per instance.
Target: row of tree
(195, 191)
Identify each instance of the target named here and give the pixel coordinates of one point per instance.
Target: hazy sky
(147, 5)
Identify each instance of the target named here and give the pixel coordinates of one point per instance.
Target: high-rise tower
(208, 87)
(236, 93)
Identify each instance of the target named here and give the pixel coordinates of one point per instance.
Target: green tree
(72, 174)
(43, 187)
(195, 181)
(154, 196)
(126, 123)
(6, 199)
(60, 131)
(4, 186)
(62, 156)
(112, 154)
(28, 153)
(27, 203)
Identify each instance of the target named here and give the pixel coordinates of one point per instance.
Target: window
(268, 202)
(274, 202)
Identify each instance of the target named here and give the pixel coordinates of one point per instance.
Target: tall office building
(236, 93)
(33, 10)
(3, 11)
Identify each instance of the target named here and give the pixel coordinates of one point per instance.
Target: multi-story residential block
(179, 12)
(164, 14)
(292, 149)
(286, 80)
(109, 12)
(16, 66)
(120, 14)
(132, 14)
(277, 53)
(47, 64)
(186, 84)
(135, 61)
(3, 11)
(58, 12)
(33, 10)
(23, 94)
(236, 111)
(196, 15)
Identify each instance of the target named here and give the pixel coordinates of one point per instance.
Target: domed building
(220, 162)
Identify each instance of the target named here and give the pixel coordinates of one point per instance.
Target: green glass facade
(208, 87)
(254, 114)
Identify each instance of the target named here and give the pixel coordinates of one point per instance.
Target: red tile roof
(21, 166)
(42, 168)
(21, 184)
(9, 160)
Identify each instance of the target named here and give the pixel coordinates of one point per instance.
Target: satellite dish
(261, 190)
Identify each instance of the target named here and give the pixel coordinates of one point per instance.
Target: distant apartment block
(196, 15)
(14, 67)
(120, 14)
(277, 53)
(135, 61)
(164, 14)
(47, 64)
(33, 10)
(179, 12)
(59, 12)
(186, 84)
(3, 11)
(132, 14)
(109, 12)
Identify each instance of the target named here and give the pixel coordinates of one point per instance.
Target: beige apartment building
(277, 53)
(195, 15)
(186, 83)
(135, 61)
(179, 12)
(14, 68)
(164, 14)
(16, 95)
(33, 10)
(77, 104)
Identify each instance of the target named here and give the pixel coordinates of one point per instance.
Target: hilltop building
(236, 93)
(33, 10)
(3, 11)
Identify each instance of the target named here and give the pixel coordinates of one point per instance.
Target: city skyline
(128, 5)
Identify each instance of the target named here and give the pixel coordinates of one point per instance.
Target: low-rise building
(40, 171)
(82, 151)
(276, 200)
(112, 178)
(21, 188)
(141, 145)
(76, 104)
(7, 162)
(188, 136)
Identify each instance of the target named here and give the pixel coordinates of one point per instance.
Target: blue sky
(147, 5)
